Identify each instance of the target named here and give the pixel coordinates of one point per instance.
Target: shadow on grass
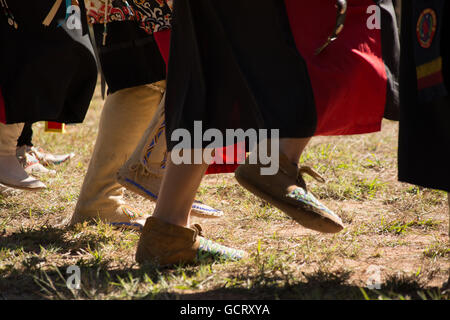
(99, 280)
(315, 286)
(148, 283)
(30, 240)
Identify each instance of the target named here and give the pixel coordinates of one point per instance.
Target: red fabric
(349, 78)
(2, 108)
(162, 39)
(239, 156)
(54, 125)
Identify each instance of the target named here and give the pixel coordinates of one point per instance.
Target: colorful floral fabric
(151, 15)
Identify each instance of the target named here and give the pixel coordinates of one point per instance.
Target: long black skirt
(251, 64)
(424, 139)
(234, 64)
(130, 56)
(46, 73)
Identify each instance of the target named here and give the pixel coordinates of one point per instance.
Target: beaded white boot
(12, 173)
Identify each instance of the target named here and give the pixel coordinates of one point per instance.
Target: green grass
(401, 229)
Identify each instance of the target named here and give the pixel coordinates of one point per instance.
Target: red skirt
(351, 79)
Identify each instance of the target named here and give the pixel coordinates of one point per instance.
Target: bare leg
(167, 237)
(180, 184)
(293, 148)
(177, 193)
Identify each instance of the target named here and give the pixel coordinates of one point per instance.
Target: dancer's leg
(293, 148)
(177, 193)
(176, 198)
(167, 237)
(26, 137)
(125, 117)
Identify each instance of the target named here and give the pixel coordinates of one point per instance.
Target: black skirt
(46, 73)
(424, 139)
(254, 78)
(130, 56)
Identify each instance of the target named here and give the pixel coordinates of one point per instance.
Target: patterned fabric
(153, 143)
(164, 160)
(299, 194)
(427, 21)
(210, 249)
(151, 15)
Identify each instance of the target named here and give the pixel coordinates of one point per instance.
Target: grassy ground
(395, 231)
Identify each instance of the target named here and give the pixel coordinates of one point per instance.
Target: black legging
(26, 135)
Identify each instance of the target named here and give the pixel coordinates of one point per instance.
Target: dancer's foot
(167, 244)
(122, 217)
(13, 175)
(287, 191)
(30, 163)
(7, 191)
(46, 158)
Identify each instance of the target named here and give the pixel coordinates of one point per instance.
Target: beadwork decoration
(211, 249)
(131, 213)
(303, 197)
(205, 209)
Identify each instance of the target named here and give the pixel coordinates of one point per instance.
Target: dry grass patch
(398, 229)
